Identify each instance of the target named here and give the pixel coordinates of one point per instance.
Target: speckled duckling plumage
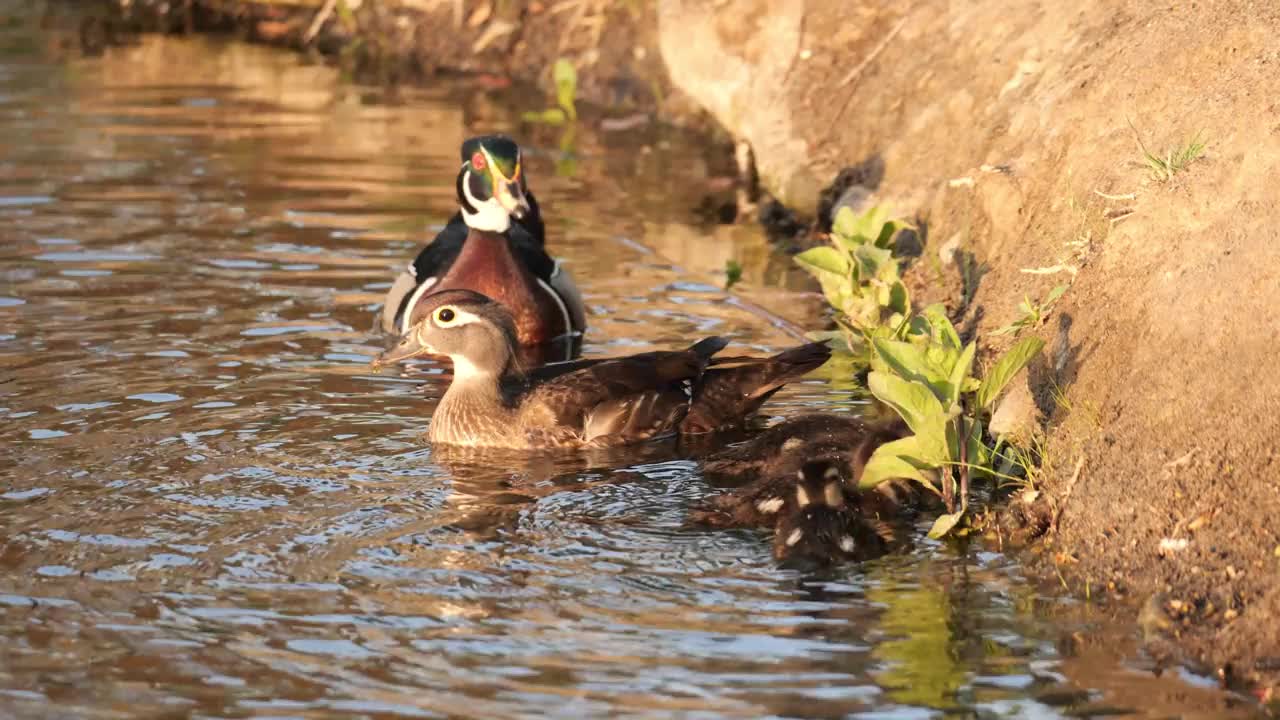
(800, 479)
(587, 403)
(828, 521)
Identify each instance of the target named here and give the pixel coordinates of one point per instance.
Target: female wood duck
(493, 245)
(586, 403)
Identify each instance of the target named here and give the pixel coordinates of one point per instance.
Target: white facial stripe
(421, 290)
(463, 369)
(489, 214)
(460, 318)
(794, 537)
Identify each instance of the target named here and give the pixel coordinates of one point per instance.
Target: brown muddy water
(211, 507)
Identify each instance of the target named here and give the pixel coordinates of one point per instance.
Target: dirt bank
(1009, 130)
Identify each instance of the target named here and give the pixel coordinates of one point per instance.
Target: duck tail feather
(707, 347)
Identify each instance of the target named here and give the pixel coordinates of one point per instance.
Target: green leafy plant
(860, 277)
(1032, 314)
(928, 379)
(566, 110)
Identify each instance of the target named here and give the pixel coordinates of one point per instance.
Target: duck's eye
(445, 315)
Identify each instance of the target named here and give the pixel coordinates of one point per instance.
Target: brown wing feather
(624, 399)
(734, 388)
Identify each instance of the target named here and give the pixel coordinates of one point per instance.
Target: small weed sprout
(1032, 314)
(732, 273)
(1164, 167)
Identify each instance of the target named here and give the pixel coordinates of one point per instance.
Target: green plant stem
(964, 464)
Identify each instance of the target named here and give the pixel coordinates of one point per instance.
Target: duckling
(491, 402)
(770, 463)
(826, 522)
(781, 449)
(493, 245)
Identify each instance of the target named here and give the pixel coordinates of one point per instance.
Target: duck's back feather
(734, 388)
(622, 400)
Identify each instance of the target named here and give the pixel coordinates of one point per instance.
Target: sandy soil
(1009, 131)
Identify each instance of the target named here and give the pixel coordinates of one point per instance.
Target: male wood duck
(493, 245)
(491, 402)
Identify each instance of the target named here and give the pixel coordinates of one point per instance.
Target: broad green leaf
(943, 357)
(831, 269)
(960, 372)
(871, 259)
(943, 330)
(566, 79)
(871, 223)
(919, 328)
(899, 299)
(916, 404)
(899, 459)
(888, 232)
(844, 228)
(826, 259)
(1054, 294)
(1005, 368)
(945, 524)
(910, 361)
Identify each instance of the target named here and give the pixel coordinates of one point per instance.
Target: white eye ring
(445, 316)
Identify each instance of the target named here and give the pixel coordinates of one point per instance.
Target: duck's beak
(408, 347)
(511, 196)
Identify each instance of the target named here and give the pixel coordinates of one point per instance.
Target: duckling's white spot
(772, 505)
(792, 444)
(794, 537)
(846, 544)
(833, 494)
(831, 473)
(802, 497)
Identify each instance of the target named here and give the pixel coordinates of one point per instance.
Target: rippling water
(211, 507)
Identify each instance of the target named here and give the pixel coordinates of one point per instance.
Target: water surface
(210, 506)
